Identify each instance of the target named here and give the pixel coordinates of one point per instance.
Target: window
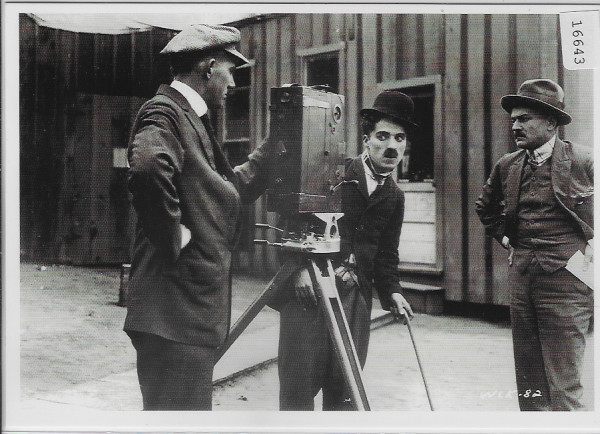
(417, 164)
(323, 70)
(236, 124)
(320, 66)
(422, 234)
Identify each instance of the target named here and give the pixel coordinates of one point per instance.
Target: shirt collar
(541, 154)
(369, 169)
(192, 97)
(373, 180)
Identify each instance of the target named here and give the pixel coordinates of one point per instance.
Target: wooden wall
(59, 69)
(479, 58)
(476, 58)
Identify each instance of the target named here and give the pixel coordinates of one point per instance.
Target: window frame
(437, 184)
(306, 54)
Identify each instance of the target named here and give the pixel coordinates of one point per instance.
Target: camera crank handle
(267, 226)
(267, 243)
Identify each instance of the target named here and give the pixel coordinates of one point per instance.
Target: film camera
(307, 123)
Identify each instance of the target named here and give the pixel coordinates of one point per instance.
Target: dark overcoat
(572, 174)
(179, 175)
(370, 228)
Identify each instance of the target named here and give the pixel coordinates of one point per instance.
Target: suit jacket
(572, 175)
(178, 174)
(370, 228)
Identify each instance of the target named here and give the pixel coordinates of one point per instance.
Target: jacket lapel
(561, 169)
(356, 171)
(205, 142)
(513, 186)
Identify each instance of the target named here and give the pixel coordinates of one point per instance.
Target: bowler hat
(542, 94)
(204, 38)
(394, 105)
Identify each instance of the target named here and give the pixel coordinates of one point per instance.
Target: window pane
(323, 70)
(417, 164)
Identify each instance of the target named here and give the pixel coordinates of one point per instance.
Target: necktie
(223, 166)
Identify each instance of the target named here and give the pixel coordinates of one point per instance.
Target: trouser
(172, 375)
(550, 314)
(307, 360)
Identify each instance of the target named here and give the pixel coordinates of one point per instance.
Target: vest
(545, 231)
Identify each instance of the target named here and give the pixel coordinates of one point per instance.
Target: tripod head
(313, 233)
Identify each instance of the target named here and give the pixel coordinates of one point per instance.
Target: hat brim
(509, 102)
(240, 59)
(404, 121)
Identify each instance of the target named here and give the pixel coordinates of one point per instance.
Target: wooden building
(80, 91)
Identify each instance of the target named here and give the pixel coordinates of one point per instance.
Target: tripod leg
(257, 305)
(340, 333)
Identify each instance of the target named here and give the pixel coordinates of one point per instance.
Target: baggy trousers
(307, 359)
(550, 315)
(172, 375)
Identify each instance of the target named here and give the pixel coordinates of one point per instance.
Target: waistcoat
(545, 231)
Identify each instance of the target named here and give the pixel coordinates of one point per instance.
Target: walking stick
(412, 338)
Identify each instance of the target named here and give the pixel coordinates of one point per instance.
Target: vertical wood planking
(408, 62)
(27, 120)
(528, 48)
(549, 47)
(389, 38)
(304, 38)
(502, 68)
(336, 28)
(476, 141)
(287, 51)
(579, 103)
(369, 67)
(351, 85)
(433, 44)
(317, 26)
(452, 161)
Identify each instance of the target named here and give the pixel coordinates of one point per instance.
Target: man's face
(531, 128)
(221, 80)
(386, 145)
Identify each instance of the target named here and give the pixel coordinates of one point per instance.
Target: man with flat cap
(373, 207)
(188, 199)
(538, 204)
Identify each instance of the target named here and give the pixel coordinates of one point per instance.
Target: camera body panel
(308, 126)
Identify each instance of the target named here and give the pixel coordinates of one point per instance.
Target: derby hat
(394, 105)
(204, 38)
(542, 94)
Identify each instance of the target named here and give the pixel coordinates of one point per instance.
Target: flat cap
(203, 37)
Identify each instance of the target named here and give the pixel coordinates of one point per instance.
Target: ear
(365, 139)
(206, 66)
(552, 122)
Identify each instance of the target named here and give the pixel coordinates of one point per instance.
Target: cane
(412, 338)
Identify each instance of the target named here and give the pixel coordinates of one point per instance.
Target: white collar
(541, 154)
(193, 97)
(372, 182)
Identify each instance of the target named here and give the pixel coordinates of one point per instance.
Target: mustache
(518, 134)
(390, 153)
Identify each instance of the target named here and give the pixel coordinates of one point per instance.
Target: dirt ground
(71, 333)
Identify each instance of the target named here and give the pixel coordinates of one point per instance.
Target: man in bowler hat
(188, 200)
(538, 204)
(373, 207)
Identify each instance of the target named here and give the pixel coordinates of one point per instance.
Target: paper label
(579, 32)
